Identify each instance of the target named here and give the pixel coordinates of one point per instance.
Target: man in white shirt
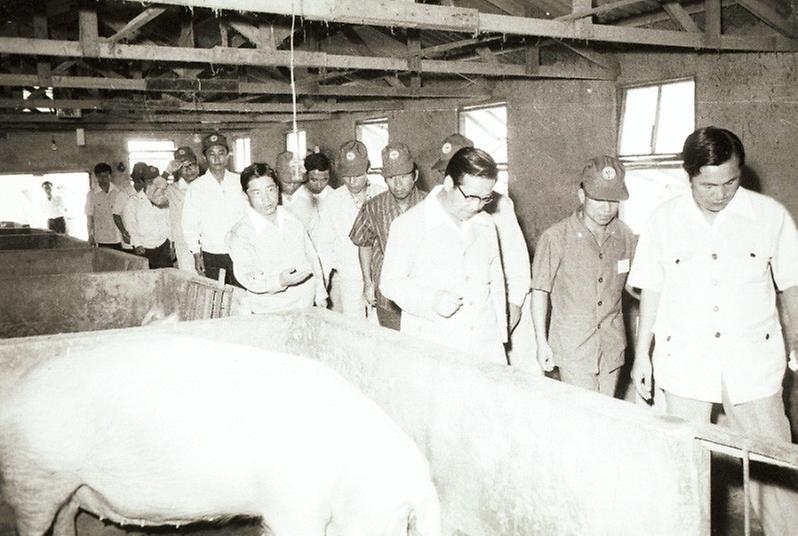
(214, 203)
(148, 217)
(706, 263)
(521, 347)
(184, 169)
(442, 263)
(317, 171)
(53, 206)
(293, 194)
(337, 214)
(100, 203)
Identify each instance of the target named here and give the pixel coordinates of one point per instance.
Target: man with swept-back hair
(442, 264)
(706, 264)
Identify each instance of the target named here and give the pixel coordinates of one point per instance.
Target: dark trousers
(57, 225)
(216, 261)
(160, 257)
(117, 245)
(389, 318)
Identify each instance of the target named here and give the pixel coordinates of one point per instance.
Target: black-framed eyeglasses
(483, 200)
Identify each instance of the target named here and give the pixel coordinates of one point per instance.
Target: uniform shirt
(100, 205)
(176, 194)
(427, 252)
(337, 214)
(585, 281)
(147, 224)
(53, 207)
(717, 319)
(514, 251)
(262, 250)
(371, 230)
(210, 210)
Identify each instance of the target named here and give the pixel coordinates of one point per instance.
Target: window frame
(503, 167)
(302, 134)
(164, 156)
(238, 157)
(373, 170)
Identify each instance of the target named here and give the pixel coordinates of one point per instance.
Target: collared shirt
(428, 252)
(585, 280)
(337, 213)
(100, 205)
(176, 194)
(262, 250)
(53, 207)
(210, 210)
(371, 230)
(717, 320)
(514, 250)
(147, 224)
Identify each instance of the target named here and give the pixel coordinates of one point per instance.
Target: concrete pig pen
(26, 262)
(511, 454)
(71, 302)
(36, 239)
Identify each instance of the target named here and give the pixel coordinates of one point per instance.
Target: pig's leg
(296, 526)
(34, 507)
(65, 520)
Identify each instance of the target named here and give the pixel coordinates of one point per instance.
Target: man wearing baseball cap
(213, 205)
(146, 217)
(337, 213)
(580, 267)
(184, 169)
(370, 230)
(515, 263)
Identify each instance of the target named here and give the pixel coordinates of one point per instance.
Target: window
(297, 143)
(374, 135)
(486, 126)
(156, 153)
(22, 199)
(48, 94)
(656, 119)
(242, 154)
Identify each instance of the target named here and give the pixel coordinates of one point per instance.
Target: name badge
(623, 266)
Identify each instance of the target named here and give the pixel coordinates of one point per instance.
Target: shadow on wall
(750, 180)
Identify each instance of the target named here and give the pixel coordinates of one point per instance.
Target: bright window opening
(47, 94)
(156, 153)
(486, 126)
(374, 135)
(242, 154)
(22, 200)
(297, 143)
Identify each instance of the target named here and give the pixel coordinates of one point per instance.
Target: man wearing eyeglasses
(580, 267)
(442, 264)
(184, 169)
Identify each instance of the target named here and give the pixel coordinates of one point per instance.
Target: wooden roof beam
(676, 12)
(764, 12)
(393, 13)
(138, 22)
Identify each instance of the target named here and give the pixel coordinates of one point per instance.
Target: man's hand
(545, 356)
(173, 166)
(139, 250)
(370, 293)
(641, 376)
(514, 315)
(292, 276)
(199, 264)
(446, 303)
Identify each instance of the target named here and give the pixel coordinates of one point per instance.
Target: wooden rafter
(392, 13)
(138, 22)
(676, 12)
(770, 16)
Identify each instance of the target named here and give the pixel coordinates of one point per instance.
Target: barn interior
(543, 85)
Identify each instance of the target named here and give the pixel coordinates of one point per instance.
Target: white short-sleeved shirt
(210, 210)
(427, 252)
(717, 320)
(100, 205)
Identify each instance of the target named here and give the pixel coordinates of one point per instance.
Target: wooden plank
(138, 22)
(605, 61)
(678, 14)
(391, 13)
(599, 10)
(437, 50)
(259, 88)
(659, 16)
(43, 68)
(712, 17)
(512, 7)
(89, 39)
(45, 119)
(769, 16)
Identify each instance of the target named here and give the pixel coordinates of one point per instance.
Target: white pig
(171, 430)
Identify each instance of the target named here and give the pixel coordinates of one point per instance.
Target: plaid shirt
(371, 230)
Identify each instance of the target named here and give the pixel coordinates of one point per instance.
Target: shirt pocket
(750, 265)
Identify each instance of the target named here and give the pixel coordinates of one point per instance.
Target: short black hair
(471, 161)
(255, 171)
(47, 183)
(102, 167)
(317, 162)
(710, 146)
